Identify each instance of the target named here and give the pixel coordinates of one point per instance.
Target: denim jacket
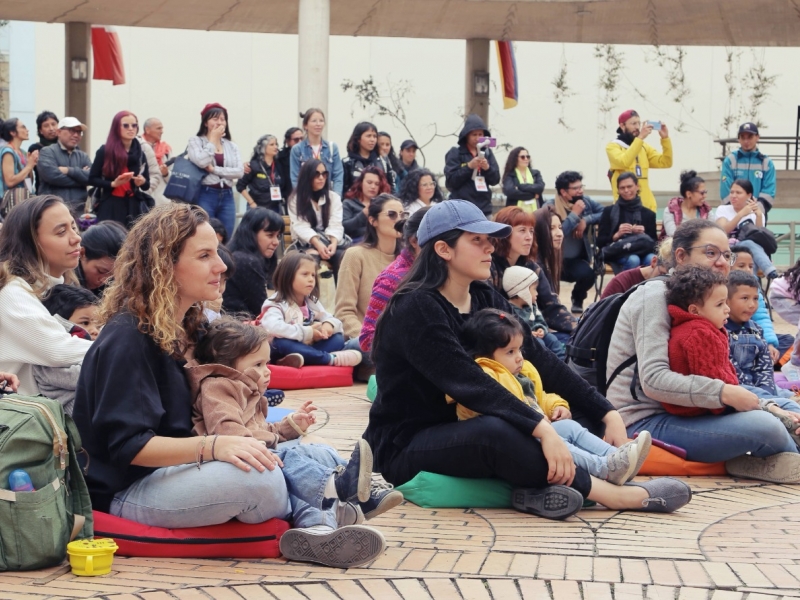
(328, 154)
(750, 356)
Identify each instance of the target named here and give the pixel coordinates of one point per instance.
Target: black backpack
(587, 348)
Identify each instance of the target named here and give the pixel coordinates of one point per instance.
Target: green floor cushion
(372, 388)
(430, 490)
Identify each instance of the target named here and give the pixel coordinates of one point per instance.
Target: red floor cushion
(288, 378)
(659, 462)
(233, 539)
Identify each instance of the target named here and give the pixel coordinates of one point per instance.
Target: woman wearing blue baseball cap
(420, 360)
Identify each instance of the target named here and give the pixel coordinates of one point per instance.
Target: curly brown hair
(692, 285)
(144, 277)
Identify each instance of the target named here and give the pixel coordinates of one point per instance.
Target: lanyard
(316, 154)
(271, 175)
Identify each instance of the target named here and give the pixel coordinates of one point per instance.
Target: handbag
(638, 243)
(749, 231)
(184, 181)
(343, 244)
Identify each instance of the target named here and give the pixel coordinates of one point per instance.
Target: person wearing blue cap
(420, 359)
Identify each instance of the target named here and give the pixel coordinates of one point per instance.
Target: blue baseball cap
(457, 214)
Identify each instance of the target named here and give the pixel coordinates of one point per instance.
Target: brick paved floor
(737, 540)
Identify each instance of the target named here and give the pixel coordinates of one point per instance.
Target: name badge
(480, 184)
(638, 171)
(275, 193)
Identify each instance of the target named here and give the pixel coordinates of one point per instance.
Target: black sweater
(246, 291)
(419, 359)
(129, 391)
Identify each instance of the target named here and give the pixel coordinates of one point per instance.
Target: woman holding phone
(119, 172)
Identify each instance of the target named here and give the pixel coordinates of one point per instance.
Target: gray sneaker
(665, 494)
(348, 513)
(783, 467)
(343, 548)
(790, 425)
(622, 464)
(645, 441)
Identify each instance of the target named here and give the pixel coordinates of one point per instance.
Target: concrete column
(78, 100)
(477, 62)
(313, 37)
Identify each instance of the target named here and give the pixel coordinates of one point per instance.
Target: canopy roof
(647, 22)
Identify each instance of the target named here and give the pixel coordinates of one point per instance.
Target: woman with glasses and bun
(521, 183)
(691, 204)
(315, 214)
(120, 172)
(753, 442)
(212, 150)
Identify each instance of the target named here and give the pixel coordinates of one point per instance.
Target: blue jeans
(588, 451)
(631, 262)
(552, 343)
(218, 203)
(714, 438)
(318, 353)
(760, 258)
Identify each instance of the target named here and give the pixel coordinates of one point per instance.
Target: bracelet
(199, 453)
(213, 444)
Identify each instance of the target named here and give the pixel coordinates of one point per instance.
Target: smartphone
(492, 142)
(655, 125)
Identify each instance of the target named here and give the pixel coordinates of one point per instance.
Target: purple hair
(116, 158)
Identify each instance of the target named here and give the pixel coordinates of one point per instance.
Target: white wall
(172, 74)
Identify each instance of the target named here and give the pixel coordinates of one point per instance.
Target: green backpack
(35, 527)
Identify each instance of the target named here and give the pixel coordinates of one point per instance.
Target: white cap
(70, 122)
(517, 282)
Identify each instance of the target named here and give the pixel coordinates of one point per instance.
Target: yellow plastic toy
(91, 557)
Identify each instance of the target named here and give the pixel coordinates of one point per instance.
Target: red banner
(107, 54)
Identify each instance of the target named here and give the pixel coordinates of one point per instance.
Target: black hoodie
(354, 164)
(458, 176)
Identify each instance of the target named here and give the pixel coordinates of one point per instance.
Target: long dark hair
(283, 278)
(210, 114)
(354, 143)
(511, 161)
(103, 240)
(304, 193)
(392, 157)
(409, 190)
(373, 212)
(792, 277)
(245, 237)
(745, 185)
(429, 272)
(383, 183)
(115, 160)
(549, 257)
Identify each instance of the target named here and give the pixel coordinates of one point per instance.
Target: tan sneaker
(783, 467)
(346, 358)
(292, 360)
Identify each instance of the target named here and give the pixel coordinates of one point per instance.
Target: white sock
(330, 488)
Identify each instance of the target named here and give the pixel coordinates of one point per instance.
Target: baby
(496, 340)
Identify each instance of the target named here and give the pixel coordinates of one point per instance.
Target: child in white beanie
(521, 285)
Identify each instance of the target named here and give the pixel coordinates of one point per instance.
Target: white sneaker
(346, 358)
(621, 464)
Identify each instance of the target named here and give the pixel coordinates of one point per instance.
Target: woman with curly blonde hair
(133, 404)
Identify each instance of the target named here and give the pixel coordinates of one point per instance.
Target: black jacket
(246, 291)
(420, 359)
(124, 210)
(283, 161)
(516, 191)
(355, 163)
(129, 391)
(353, 218)
(608, 228)
(259, 180)
(458, 176)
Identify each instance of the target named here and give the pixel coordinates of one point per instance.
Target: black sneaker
(354, 481)
(343, 548)
(382, 497)
(577, 308)
(552, 502)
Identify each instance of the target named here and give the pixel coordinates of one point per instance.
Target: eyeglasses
(713, 253)
(575, 188)
(77, 132)
(394, 215)
(130, 125)
(524, 156)
(430, 184)
(320, 175)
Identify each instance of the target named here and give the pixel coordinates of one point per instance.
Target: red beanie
(627, 115)
(208, 107)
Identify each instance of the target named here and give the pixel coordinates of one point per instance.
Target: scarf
(626, 138)
(522, 176)
(563, 208)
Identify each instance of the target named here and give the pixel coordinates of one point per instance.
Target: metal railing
(788, 156)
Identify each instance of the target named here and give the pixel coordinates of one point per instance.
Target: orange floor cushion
(660, 462)
(305, 378)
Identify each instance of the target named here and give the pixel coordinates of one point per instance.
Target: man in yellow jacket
(629, 153)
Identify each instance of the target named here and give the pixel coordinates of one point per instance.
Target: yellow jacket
(622, 158)
(543, 403)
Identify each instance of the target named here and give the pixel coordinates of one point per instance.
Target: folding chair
(598, 264)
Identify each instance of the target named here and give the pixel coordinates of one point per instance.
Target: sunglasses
(296, 139)
(524, 156)
(394, 215)
(320, 175)
(130, 125)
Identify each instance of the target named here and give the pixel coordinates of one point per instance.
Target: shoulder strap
(81, 503)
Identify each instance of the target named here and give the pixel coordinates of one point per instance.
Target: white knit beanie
(517, 282)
